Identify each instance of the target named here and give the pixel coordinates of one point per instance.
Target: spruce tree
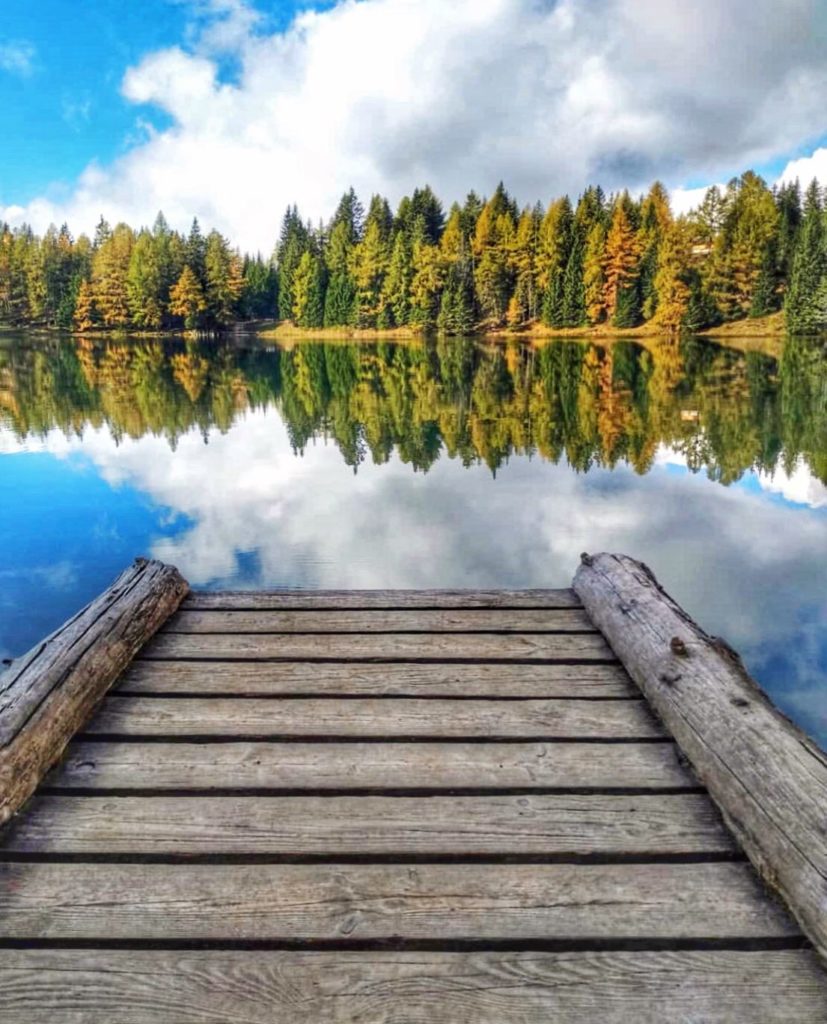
(803, 307)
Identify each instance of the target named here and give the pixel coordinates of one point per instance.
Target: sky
(230, 109)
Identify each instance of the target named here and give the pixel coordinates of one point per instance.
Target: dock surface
(425, 806)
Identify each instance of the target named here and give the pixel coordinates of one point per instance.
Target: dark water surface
(437, 464)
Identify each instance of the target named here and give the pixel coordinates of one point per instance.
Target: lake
(438, 463)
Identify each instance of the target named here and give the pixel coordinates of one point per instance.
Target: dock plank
(377, 902)
(287, 987)
(319, 766)
(374, 716)
(287, 600)
(493, 825)
(477, 620)
(284, 678)
(444, 647)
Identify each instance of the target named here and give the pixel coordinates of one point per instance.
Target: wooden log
(257, 717)
(286, 600)
(376, 902)
(427, 620)
(49, 693)
(243, 765)
(226, 986)
(441, 647)
(541, 825)
(768, 778)
(397, 679)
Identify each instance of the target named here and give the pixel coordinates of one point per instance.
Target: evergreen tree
(308, 291)
(294, 241)
(186, 298)
(225, 280)
(144, 283)
(804, 304)
(621, 264)
(110, 269)
(456, 311)
(85, 314)
(557, 236)
(396, 290)
(369, 262)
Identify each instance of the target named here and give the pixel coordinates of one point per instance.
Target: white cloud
(387, 94)
(806, 168)
(17, 58)
(309, 521)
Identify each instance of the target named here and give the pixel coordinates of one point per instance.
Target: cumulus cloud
(17, 58)
(388, 94)
(805, 168)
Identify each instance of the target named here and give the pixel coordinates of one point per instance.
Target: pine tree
(144, 284)
(85, 314)
(456, 311)
(110, 268)
(397, 285)
(293, 243)
(186, 298)
(594, 291)
(803, 307)
(225, 280)
(621, 259)
(368, 264)
(308, 291)
(672, 290)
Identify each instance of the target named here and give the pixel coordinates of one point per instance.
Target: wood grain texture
(286, 600)
(49, 693)
(251, 765)
(264, 987)
(547, 825)
(371, 716)
(477, 620)
(377, 902)
(766, 776)
(383, 646)
(395, 679)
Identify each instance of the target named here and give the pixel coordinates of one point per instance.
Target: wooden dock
(404, 806)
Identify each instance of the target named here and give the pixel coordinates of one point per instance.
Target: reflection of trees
(592, 405)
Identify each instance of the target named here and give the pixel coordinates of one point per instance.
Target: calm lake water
(438, 464)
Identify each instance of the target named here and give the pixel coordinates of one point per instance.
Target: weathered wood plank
(393, 679)
(286, 600)
(376, 902)
(48, 694)
(251, 765)
(374, 716)
(477, 620)
(767, 777)
(266, 987)
(444, 647)
(546, 825)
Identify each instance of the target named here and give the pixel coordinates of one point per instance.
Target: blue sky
(224, 110)
(66, 109)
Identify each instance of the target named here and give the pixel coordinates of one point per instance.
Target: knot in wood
(586, 558)
(678, 647)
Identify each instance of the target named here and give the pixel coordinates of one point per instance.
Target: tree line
(746, 251)
(587, 404)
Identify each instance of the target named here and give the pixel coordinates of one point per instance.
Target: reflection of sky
(748, 561)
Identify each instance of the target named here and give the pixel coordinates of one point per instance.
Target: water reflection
(524, 456)
(724, 410)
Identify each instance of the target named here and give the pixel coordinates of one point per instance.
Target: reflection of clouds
(749, 568)
(800, 486)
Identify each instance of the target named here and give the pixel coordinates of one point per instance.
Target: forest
(591, 405)
(746, 251)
